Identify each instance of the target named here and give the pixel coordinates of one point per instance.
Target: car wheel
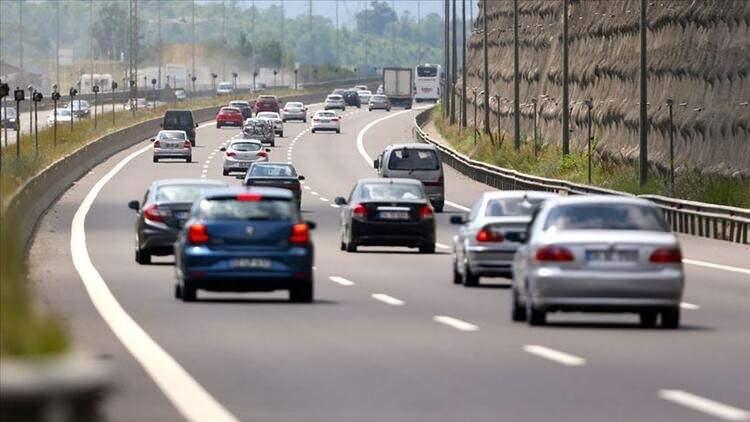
(535, 316)
(338, 130)
(428, 248)
(351, 246)
(218, 126)
(304, 121)
(156, 159)
(304, 293)
(670, 318)
(312, 130)
(281, 134)
(142, 257)
(439, 206)
(470, 279)
(189, 159)
(343, 246)
(225, 172)
(648, 319)
(518, 312)
(456, 275)
(189, 292)
(177, 291)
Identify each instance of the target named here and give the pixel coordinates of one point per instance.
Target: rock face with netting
(698, 55)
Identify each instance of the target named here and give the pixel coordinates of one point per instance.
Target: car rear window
(511, 207)
(413, 159)
(230, 110)
(335, 97)
(391, 191)
(182, 192)
(272, 170)
(605, 217)
(171, 135)
(264, 209)
(267, 99)
(178, 119)
(246, 146)
(326, 114)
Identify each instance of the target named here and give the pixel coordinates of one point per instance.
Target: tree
(270, 53)
(110, 29)
(244, 46)
(376, 20)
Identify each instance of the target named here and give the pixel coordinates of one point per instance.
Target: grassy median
(25, 330)
(690, 183)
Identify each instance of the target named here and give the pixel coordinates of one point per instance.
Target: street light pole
(486, 72)
(516, 83)
(536, 143)
(589, 106)
(454, 68)
(643, 120)
(446, 58)
(565, 93)
(463, 64)
(670, 103)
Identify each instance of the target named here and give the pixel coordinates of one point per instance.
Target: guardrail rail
(689, 217)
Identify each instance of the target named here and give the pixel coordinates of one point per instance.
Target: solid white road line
(341, 280)
(189, 397)
(457, 206)
(361, 134)
(323, 199)
(314, 193)
(455, 323)
(334, 206)
(388, 299)
(708, 406)
(307, 187)
(690, 306)
(554, 355)
(442, 245)
(716, 266)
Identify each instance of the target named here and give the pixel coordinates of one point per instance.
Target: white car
(334, 101)
(326, 120)
(63, 116)
(364, 95)
(224, 88)
(241, 153)
(294, 111)
(172, 144)
(278, 124)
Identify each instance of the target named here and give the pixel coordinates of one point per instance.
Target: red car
(229, 116)
(267, 103)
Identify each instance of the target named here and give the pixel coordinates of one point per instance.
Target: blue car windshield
(232, 209)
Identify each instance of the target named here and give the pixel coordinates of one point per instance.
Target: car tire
(439, 206)
(312, 130)
(428, 248)
(218, 126)
(189, 159)
(470, 279)
(281, 134)
(156, 159)
(456, 275)
(189, 292)
(142, 257)
(670, 318)
(518, 312)
(304, 293)
(647, 319)
(351, 247)
(177, 291)
(304, 121)
(535, 317)
(343, 246)
(225, 172)
(338, 130)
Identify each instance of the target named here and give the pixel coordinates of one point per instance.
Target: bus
(427, 82)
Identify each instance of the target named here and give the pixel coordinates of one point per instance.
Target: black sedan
(277, 175)
(165, 208)
(387, 212)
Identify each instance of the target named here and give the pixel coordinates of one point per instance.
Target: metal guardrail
(695, 218)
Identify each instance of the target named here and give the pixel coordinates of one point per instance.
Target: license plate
(173, 145)
(612, 256)
(182, 215)
(393, 215)
(325, 121)
(261, 263)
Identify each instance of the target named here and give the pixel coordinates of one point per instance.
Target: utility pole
(643, 121)
(463, 64)
(57, 46)
(20, 39)
(419, 31)
(446, 56)
(338, 48)
(454, 67)
(393, 34)
(565, 93)
(192, 39)
(223, 40)
(486, 72)
(91, 44)
(365, 37)
(281, 59)
(309, 31)
(516, 82)
(158, 29)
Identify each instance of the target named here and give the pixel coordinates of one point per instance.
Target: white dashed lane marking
(390, 300)
(554, 355)
(707, 406)
(341, 280)
(455, 323)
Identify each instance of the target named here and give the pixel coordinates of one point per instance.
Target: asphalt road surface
(390, 337)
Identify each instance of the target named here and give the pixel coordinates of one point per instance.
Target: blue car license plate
(253, 263)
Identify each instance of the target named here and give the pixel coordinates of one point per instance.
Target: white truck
(398, 86)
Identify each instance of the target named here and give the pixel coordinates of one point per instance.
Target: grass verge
(690, 183)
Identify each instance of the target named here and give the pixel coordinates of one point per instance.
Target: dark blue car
(242, 240)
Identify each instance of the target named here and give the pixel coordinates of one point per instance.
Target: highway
(389, 337)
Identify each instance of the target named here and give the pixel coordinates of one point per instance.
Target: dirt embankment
(698, 52)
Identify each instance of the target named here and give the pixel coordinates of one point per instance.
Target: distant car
(10, 119)
(229, 116)
(490, 234)
(180, 120)
(172, 144)
(333, 102)
(415, 161)
(267, 103)
(80, 108)
(224, 88)
(294, 111)
(277, 175)
(166, 206)
(379, 102)
(361, 87)
(351, 98)
(326, 120)
(241, 153)
(260, 129)
(245, 108)
(240, 240)
(364, 96)
(387, 212)
(273, 117)
(180, 94)
(139, 103)
(597, 253)
(64, 115)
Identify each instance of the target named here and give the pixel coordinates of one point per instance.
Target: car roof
(188, 181)
(172, 131)
(502, 194)
(239, 141)
(599, 199)
(412, 145)
(263, 191)
(389, 180)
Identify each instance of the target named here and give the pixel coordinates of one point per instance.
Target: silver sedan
(598, 254)
(488, 237)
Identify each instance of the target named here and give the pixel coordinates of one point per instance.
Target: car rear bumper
(158, 242)
(379, 106)
(555, 288)
(334, 107)
(326, 126)
(295, 116)
(172, 153)
(239, 166)
(229, 122)
(393, 233)
(490, 262)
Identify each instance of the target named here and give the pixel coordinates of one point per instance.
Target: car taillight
(198, 234)
(335, 119)
(157, 144)
(262, 154)
(187, 144)
(487, 235)
(359, 211)
(666, 256)
(231, 154)
(154, 213)
(426, 212)
(554, 253)
(300, 234)
(316, 120)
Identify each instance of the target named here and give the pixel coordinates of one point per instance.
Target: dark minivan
(180, 120)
